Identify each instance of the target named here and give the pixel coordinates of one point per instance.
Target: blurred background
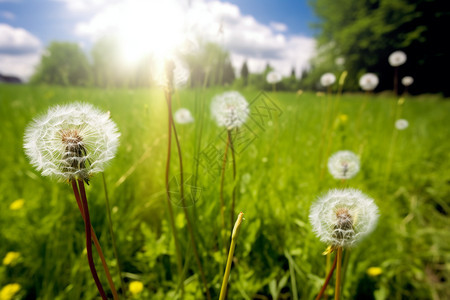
(116, 43)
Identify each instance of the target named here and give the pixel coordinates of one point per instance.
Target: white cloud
(19, 51)
(22, 66)
(85, 5)
(245, 37)
(278, 26)
(7, 15)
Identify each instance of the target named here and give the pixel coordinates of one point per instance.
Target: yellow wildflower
(9, 290)
(374, 271)
(16, 205)
(343, 118)
(10, 258)
(136, 287)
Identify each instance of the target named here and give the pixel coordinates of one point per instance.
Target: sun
(149, 27)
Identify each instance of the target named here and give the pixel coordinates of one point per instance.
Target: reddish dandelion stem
(327, 280)
(88, 228)
(96, 243)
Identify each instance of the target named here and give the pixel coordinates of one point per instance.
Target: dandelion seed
(11, 258)
(17, 204)
(327, 79)
(401, 124)
(230, 109)
(9, 291)
(183, 116)
(368, 81)
(273, 77)
(407, 80)
(397, 58)
(72, 141)
(136, 287)
(341, 218)
(343, 164)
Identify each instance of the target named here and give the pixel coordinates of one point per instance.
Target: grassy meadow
(281, 170)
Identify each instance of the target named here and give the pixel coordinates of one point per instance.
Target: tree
(244, 73)
(366, 32)
(63, 64)
(211, 65)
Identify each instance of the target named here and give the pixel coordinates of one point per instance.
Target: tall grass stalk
(111, 232)
(234, 236)
(168, 95)
(337, 288)
(188, 220)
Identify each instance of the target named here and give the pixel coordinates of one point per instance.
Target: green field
(281, 170)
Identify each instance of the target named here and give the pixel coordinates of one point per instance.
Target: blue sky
(261, 31)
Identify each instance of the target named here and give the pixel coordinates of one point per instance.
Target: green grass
(279, 176)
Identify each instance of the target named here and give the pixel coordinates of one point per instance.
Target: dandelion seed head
(327, 79)
(72, 141)
(342, 217)
(340, 61)
(368, 82)
(407, 80)
(230, 109)
(183, 116)
(171, 74)
(401, 124)
(273, 77)
(397, 58)
(343, 164)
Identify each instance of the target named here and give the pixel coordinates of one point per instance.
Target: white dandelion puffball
(230, 109)
(397, 58)
(407, 80)
(342, 217)
(72, 141)
(273, 77)
(368, 81)
(178, 79)
(343, 164)
(401, 124)
(340, 61)
(327, 79)
(183, 116)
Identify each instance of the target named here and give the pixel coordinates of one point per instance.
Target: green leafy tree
(63, 64)
(244, 73)
(210, 65)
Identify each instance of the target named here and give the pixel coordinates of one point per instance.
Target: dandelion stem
(233, 157)
(234, 236)
(113, 239)
(96, 243)
(186, 213)
(337, 288)
(327, 280)
(222, 202)
(169, 204)
(88, 228)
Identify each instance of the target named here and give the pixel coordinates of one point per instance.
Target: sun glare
(149, 28)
